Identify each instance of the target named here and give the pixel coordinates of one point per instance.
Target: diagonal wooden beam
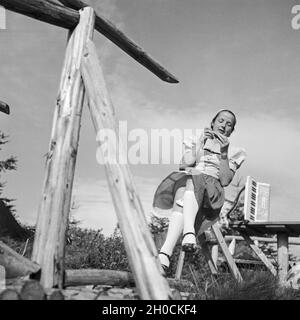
(180, 264)
(141, 251)
(16, 265)
(230, 261)
(259, 253)
(74, 4)
(207, 254)
(65, 17)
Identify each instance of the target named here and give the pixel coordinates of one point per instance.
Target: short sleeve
(192, 142)
(189, 143)
(236, 158)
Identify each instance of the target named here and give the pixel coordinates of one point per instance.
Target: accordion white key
(257, 201)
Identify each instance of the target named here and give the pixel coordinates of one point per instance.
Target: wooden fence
(82, 75)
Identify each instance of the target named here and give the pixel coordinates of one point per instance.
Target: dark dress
(208, 192)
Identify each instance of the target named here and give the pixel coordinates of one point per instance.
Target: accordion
(257, 201)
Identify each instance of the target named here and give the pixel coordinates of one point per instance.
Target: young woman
(195, 192)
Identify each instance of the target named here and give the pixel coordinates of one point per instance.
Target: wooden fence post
(2, 278)
(231, 264)
(215, 254)
(140, 247)
(283, 256)
(180, 264)
(49, 243)
(207, 254)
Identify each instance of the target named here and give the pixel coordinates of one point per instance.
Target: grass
(91, 249)
(256, 285)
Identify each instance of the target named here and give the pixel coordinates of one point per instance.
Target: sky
(243, 55)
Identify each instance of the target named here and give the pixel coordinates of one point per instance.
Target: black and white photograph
(149, 151)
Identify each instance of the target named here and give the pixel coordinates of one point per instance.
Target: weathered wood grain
(82, 277)
(141, 251)
(61, 16)
(117, 278)
(282, 256)
(232, 266)
(49, 243)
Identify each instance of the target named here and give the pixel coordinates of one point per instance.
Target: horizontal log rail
(292, 240)
(61, 16)
(246, 262)
(212, 240)
(84, 277)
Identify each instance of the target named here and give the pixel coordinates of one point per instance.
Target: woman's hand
(224, 144)
(223, 140)
(208, 134)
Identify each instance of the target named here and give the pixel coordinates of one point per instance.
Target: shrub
(88, 248)
(257, 285)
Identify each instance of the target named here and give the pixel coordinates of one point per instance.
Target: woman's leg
(174, 230)
(190, 210)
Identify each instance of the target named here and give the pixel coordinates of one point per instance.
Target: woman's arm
(191, 147)
(226, 174)
(234, 159)
(188, 159)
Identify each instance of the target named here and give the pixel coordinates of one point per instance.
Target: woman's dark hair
(216, 116)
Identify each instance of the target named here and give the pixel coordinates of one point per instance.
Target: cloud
(108, 9)
(272, 146)
(145, 109)
(94, 204)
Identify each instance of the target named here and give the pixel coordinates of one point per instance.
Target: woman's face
(224, 123)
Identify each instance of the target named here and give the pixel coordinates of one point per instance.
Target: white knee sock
(190, 210)
(174, 232)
